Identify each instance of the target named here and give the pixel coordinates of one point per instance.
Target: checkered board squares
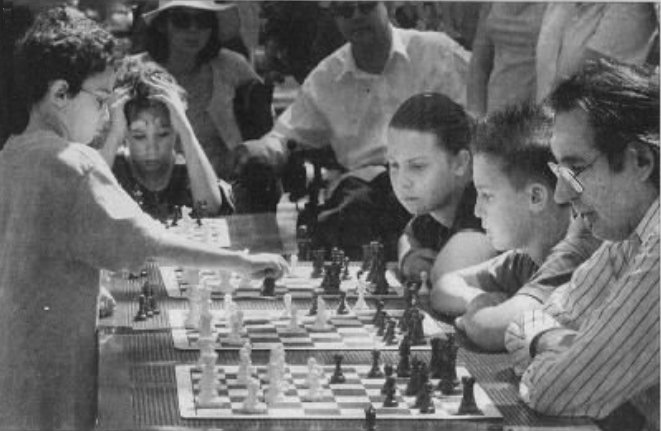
(299, 283)
(339, 401)
(266, 329)
(214, 231)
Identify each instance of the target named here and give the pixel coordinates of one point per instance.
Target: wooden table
(137, 388)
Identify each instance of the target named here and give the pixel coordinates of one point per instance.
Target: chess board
(299, 284)
(339, 401)
(213, 231)
(266, 329)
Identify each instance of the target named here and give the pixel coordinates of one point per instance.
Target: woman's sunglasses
(347, 9)
(183, 20)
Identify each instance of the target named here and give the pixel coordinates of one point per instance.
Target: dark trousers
(358, 212)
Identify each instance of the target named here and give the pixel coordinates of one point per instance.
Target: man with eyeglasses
(594, 346)
(346, 103)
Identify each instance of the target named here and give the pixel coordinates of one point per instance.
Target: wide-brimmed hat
(208, 5)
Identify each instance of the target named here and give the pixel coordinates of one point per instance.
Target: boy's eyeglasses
(101, 101)
(346, 10)
(570, 176)
(183, 20)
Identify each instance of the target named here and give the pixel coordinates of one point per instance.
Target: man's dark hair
(156, 40)
(61, 44)
(438, 114)
(518, 137)
(622, 104)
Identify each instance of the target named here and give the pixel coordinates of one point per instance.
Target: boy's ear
(462, 162)
(58, 93)
(538, 196)
(643, 158)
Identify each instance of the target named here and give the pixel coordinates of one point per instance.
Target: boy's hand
(177, 107)
(118, 125)
(484, 300)
(265, 265)
(106, 303)
(417, 261)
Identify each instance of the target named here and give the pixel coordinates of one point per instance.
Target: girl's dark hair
(156, 40)
(438, 114)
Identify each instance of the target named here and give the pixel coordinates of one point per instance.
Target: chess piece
(208, 395)
(426, 401)
(268, 287)
(286, 299)
(314, 377)
(345, 270)
(236, 327)
(321, 320)
(389, 389)
(293, 320)
(360, 304)
(303, 242)
(338, 375)
(342, 308)
(293, 263)
(370, 418)
(251, 402)
(142, 309)
(416, 328)
(468, 405)
(413, 384)
(404, 366)
(206, 324)
(383, 321)
(313, 305)
(447, 368)
(245, 364)
(367, 257)
(317, 263)
(389, 337)
(423, 379)
(375, 371)
(378, 314)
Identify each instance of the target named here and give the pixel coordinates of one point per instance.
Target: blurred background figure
(502, 67)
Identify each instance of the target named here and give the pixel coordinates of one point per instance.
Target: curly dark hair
(138, 75)
(518, 137)
(156, 40)
(622, 103)
(61, 44)
(438, 114)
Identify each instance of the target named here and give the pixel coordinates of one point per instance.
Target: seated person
(345, 103)
(594, 346)
(515, 202)
(430, 170)
(153, 108)
(63, 217)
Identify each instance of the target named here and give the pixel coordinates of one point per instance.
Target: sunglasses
(347, 9)
(183, 20)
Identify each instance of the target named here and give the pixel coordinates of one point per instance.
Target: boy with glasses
(595, 344)
(346, 103)
(63, 216)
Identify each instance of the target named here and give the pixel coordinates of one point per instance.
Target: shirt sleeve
(302, 121)
(108, 229)
(615, 354)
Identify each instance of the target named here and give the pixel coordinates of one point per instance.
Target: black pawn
(389, 389)
(313, 306)
(370, 418)
(142, 309)
(382, 324)
(417, 329)
(378, 314)
(318, 263)
(375, 371)
(423, 379)
(389, 337)
(404, 366)
(268, 287)
(426, 400)
(345, 272)
(338, 376)
(342, 308)
(153, 306)
(436, 357)
(468, 405)
(414, 381)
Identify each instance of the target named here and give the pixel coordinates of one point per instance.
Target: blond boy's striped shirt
(612, 302)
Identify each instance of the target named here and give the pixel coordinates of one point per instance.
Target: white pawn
(206, 323)
(225, 284)
(314, 377)
(251, 403)
(193, 296)
(286, 299)
(228, 302)
(236, 326)
(321, 320)
(207, 348)
(293, 263)
(293, 321)
(424, 287)
(208, 396)
(245, 364)
(360, 304)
